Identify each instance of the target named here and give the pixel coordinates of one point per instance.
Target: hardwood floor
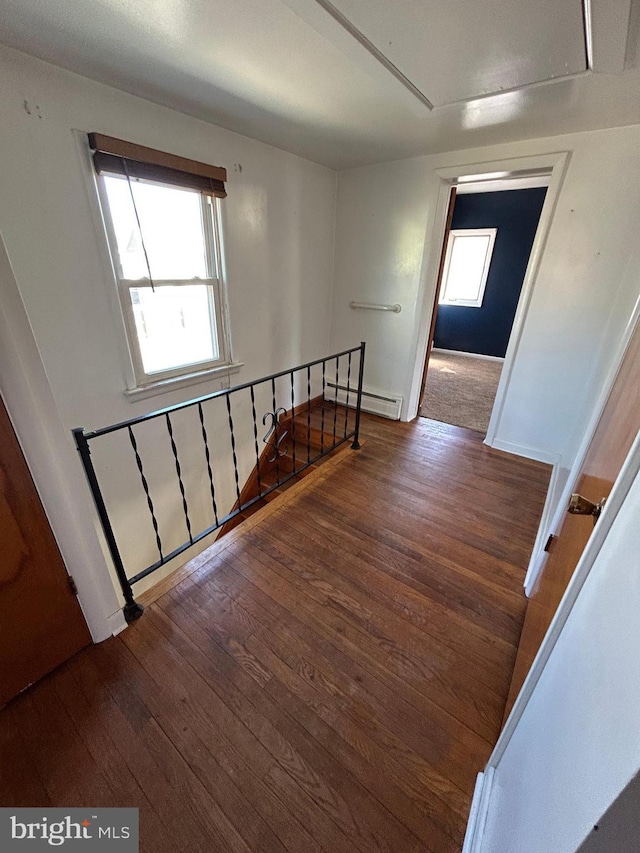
(332, 679)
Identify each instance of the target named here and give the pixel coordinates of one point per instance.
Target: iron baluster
(208, 458)
(335, 403)
(293, 423)
(324, 385)
(308, 415)
(174, 449)
(276, 453)
(233, 446)
(255, 438)
(145, 486)
(346, 410)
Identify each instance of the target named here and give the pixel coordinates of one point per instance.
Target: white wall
(278, 223)
(577, 744)
(588, 280)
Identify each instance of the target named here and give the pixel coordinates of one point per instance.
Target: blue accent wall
(515, 213)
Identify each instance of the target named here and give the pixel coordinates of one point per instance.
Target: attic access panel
(457, 50)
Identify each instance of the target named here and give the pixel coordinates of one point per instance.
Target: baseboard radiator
(375, 404)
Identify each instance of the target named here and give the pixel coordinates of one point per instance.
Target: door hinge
(72, 585)
(549, 541)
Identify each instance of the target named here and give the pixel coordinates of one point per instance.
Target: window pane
(171, 224)
(464, 278)
(175, 326)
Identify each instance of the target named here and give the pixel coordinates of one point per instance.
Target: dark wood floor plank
(65, 767)
(438, 563)
(254, 643)
(339, 792)
(397, 592)
(20, 786)
(198, 741)
(313, 622)
(128, 792)
(440, 674)
(296, 781)
(433, 735)
(126, 733)
(331, 681)
(172, 760)
(343, 570)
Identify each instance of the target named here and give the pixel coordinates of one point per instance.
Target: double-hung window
(164, 234)
(466, 266)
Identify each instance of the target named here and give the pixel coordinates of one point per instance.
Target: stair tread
(307, 439)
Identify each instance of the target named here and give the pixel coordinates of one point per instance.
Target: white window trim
(223, 372)
(144, 384)
(467, 232)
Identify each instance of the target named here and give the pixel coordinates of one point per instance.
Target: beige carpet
(460, 390)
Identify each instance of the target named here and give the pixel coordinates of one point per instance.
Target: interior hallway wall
(587, 283)
(278, 225)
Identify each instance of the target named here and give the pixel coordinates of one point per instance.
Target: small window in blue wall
(466, 266)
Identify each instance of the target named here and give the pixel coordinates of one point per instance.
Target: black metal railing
(288, 394)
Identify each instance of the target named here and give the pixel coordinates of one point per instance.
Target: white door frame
(553, 164)
(52, 460)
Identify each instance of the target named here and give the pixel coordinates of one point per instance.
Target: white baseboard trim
(117, 623)
(467, 354)
(478, 814)
(523, 450)
(538, 556)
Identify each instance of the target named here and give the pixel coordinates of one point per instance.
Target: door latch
(581, 506)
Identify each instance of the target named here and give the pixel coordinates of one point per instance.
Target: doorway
(490, 232)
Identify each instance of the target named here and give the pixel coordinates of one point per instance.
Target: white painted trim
(468, 354)
(556, 163)
(523, 450)
(117, 623)
(538, 560)
(222, 371)
(528, 285)
(474, 835)
(538, 556)
(630, 470)
(48, 449)
(500, 185)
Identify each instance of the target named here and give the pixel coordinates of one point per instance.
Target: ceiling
(350, 82)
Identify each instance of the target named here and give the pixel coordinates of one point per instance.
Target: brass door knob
(582, 506)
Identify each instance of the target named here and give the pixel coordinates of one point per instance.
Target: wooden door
(611, 442)
(41, 624)
(434, 313)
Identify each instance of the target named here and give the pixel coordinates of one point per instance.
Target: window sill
(163, 386)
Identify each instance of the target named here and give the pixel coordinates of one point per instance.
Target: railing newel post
(132, 610)
(356, 442)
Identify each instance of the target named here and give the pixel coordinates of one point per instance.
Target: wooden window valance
(116, 156)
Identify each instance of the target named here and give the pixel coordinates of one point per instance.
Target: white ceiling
(348, 82)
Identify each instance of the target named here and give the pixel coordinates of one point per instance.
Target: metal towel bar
(396, 309)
